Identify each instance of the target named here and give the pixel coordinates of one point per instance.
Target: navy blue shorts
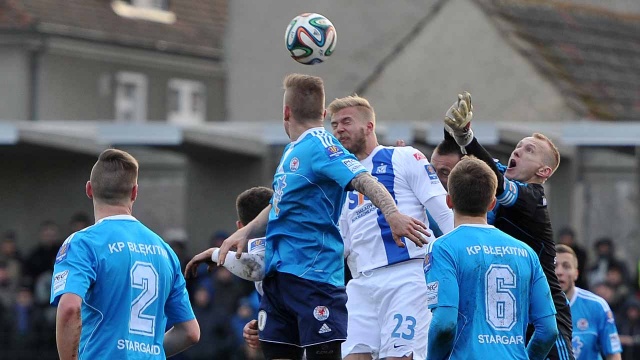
(301, 312)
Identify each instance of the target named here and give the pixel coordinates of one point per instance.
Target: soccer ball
(310, 38)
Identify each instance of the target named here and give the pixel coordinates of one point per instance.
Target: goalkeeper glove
(457, 120)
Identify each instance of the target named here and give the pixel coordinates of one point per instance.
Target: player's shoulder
(592, 300)
(407, 153)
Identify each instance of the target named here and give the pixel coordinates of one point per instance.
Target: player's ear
(493, 204)
(286, 113)
(544, 172)
(324, 114)
(134, 192)
(239, 225)
(449, 202)
(89, 190)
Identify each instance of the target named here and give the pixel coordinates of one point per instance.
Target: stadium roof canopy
(255, 139)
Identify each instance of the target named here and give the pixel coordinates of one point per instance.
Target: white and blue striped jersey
(497, 285)
(309, 189)
(131, 285)
(413, 183)
(594, 328)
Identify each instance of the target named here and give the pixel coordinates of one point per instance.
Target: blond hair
(304, 96)
(363, 105)
(113, 177)
(552, 160)
(564, 249)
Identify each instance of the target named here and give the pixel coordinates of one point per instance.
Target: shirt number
(144, 277)
(500, 302)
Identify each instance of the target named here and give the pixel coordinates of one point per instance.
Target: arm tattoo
(367, 185)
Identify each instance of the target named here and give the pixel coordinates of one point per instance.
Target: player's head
(303, 100)
(566, 267)
(250, 203)
(353, 122)
(534, 160)
(114, 179)
(445, 156)
(472, 188)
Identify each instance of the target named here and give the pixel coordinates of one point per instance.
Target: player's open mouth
(512, 163)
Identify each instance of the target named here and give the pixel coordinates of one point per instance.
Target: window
(152, 10)
(186, 102)
(131, 97)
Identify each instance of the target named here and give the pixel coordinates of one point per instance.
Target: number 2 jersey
(497, 285)
(414, 185)
(131, 285)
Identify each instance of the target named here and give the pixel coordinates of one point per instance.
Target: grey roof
(592, 55)
(198, 29)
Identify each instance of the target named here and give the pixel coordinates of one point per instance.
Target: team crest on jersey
(419, 156)
(333, 151)
(583, 324)
(382, 169)
(321, 313)
(262, 320)
(610, 318)
(432, 173)
(294, 164)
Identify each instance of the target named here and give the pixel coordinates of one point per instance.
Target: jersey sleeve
(333, 161)
(608, 338)
(441, 273)
(178, 308)
(424, 182)
(540, 300)
(75, 268)
(523, 197)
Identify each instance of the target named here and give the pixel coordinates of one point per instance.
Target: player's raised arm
(401, 225)
(240, 238)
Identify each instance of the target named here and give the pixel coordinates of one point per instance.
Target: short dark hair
(448, 147)
(305, 96)
(564, 249)
(251, 202)
(113, 176)
(472, 186)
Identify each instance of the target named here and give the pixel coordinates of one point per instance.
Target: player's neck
(459, 219)
(571, 292)
(298, 128)
(102, 211)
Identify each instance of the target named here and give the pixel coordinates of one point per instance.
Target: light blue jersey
(131, 285)
(594, 328)
(496, 284)
(309, 190)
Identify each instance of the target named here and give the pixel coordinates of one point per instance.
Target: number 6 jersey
(496, 283)
(131, 285)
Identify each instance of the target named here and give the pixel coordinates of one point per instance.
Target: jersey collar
(478, 225)
(118, 217)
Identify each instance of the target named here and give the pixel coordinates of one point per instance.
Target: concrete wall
(14, 77)
(83, 89)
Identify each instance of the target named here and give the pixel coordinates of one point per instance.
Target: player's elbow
(69, 308)
(193, 332)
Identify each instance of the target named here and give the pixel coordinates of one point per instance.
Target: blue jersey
(309, 190)
(497, 285)
(594, 328)
(131, 285)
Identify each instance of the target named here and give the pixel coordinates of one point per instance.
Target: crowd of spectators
(223, 303)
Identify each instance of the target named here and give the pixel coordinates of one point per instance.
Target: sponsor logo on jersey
(281, 183)
(294, 164)
(353, 165)
(324, 329)
(615, 342)
(256, 245)
(577, 345)
(321, 313)
(333, 151)
(432, 293)
(583, 324)
(382, 169)
(610, 318)
(428, 260)
(262, 320)
(60, 281)
(419, 156)
(432, 172)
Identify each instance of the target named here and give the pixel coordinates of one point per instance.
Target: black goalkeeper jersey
(522, 213)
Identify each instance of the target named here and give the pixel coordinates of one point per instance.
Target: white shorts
(388, 314)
